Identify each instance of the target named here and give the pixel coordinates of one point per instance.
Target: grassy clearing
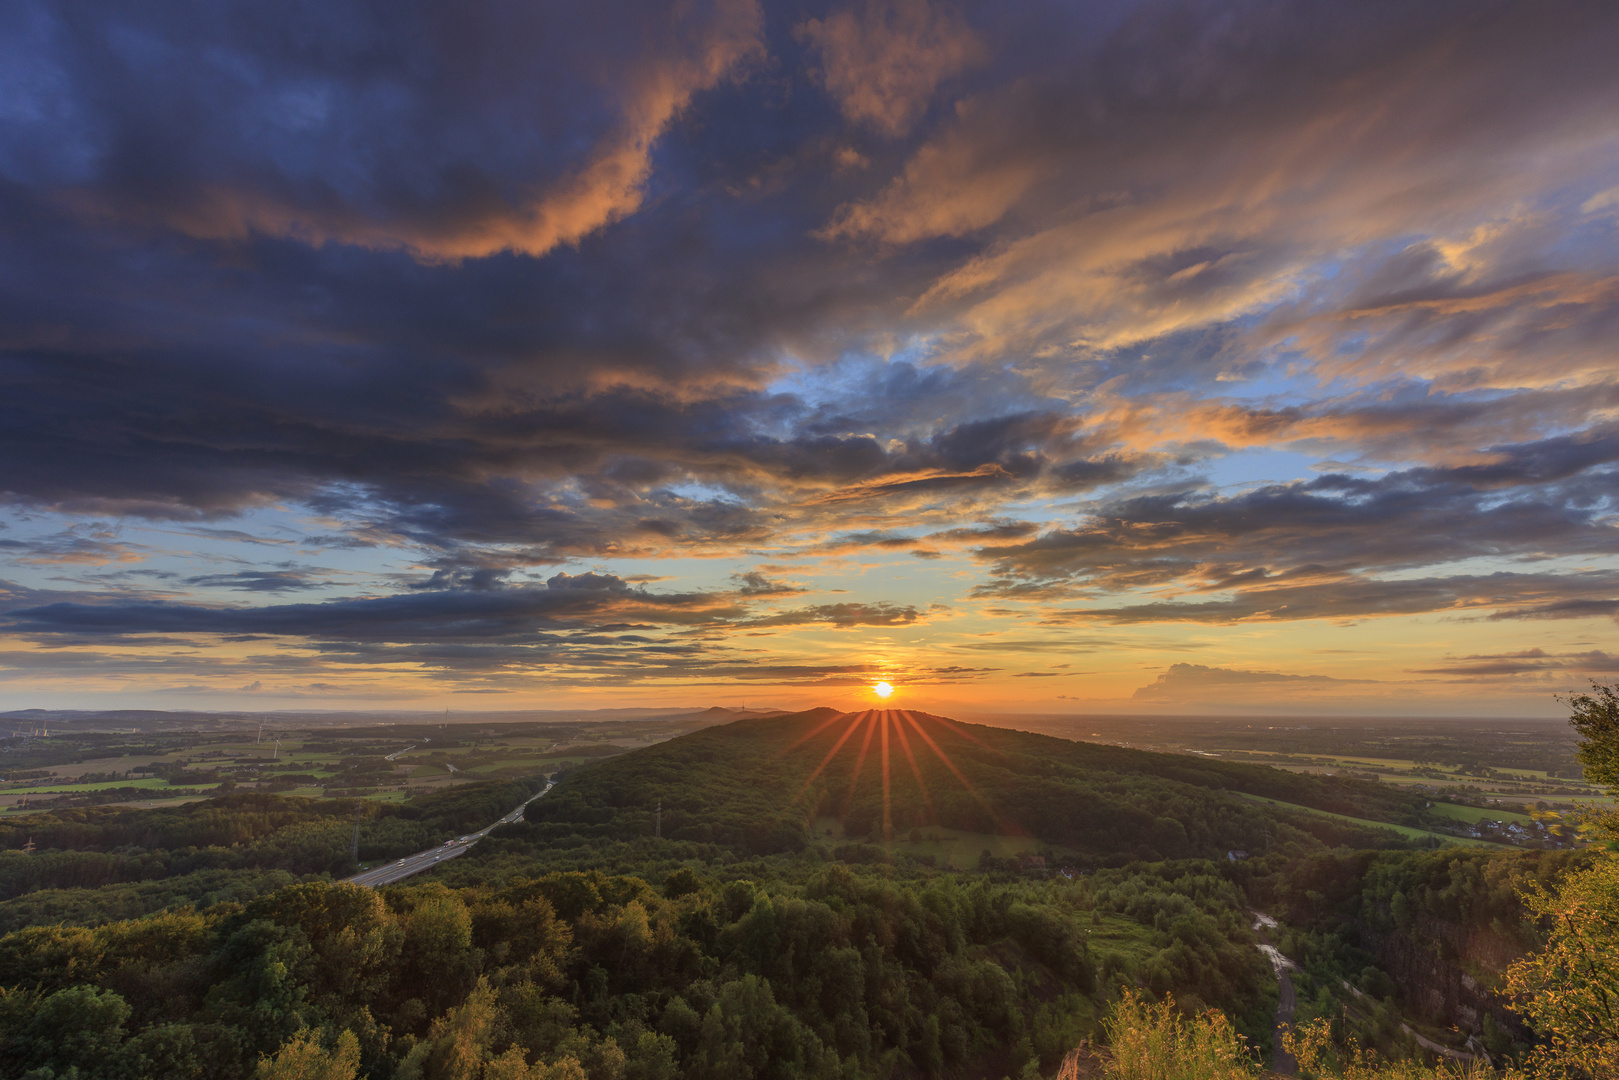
(1123, 936)
(1404, 830)
(1478, 813)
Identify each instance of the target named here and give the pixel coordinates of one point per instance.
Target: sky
(1036, 357)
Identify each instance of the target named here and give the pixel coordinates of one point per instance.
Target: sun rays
(879, 730)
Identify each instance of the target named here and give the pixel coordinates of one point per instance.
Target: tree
(460, 1042)
(1596, 717)
(301, 1058)
(1570, 992)
(79, 1027)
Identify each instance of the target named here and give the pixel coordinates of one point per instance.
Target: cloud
(470, 145)
(883, 62)
(1183, 682)
(566, 601)
(1351, 597)
(95, 544)
(1524, 662)
(1311, 549)
(1184, 174)
(842, 616)
(1575, 608)
(755, 584)
(1160, 315)
(257, 581)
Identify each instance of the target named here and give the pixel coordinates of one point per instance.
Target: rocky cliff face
(1450, 973)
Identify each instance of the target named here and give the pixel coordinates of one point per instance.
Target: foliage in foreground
(1155, 1041)
(568, 976)
(1570, 990)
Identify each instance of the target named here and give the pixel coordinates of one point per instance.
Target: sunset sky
(1040, 357)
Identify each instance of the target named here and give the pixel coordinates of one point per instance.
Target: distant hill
(760, 784)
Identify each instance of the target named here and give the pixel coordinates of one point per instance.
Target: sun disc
(883, 689)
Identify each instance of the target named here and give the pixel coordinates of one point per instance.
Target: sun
(883, 689)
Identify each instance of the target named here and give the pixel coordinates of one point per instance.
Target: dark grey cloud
(581, 600)
(258, 581)
(1305, 549)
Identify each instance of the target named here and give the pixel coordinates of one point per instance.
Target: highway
(398, 870)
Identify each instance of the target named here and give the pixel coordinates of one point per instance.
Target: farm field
(1404, 830)
(1478, 813)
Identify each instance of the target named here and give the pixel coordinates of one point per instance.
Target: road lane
(391, 872)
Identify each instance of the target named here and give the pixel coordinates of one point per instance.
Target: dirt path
(1287, 999)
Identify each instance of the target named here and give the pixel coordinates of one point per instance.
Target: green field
(1478, 813)
(64, 787)
(1404, 830)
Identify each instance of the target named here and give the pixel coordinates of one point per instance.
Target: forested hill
(762, 786)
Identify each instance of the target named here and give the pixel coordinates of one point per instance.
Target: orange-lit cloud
(882, 60)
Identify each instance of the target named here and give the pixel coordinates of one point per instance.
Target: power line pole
(657, 822)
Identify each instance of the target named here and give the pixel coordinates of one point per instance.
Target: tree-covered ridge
(759, 785)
